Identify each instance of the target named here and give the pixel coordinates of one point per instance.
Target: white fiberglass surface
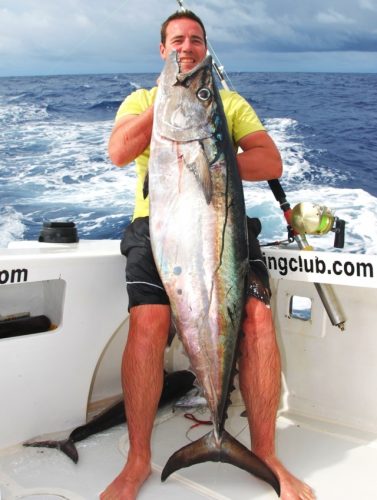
(337, 464)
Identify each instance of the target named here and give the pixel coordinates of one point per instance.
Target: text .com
(315, 265)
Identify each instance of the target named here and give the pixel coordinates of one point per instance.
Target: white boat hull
(47, 378)
(327, 425)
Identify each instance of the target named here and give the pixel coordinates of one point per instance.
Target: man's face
(187, 38)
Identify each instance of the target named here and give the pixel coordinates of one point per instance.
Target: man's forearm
(256, 165)
(260, 159)
(130, 137)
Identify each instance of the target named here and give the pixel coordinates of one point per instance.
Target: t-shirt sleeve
(134, 104)
(245, 120)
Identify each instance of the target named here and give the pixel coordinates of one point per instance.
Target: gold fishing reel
(308, 218)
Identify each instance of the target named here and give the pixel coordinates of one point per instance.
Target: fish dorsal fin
(200, 167)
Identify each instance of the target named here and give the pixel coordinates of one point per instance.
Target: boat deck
(340, 464)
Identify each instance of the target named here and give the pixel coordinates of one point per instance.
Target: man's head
(185, 33)
(186, 14)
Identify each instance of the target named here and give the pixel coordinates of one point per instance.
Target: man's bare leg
(260, 375)
(142, 379)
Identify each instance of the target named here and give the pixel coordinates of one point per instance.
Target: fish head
(186, 102)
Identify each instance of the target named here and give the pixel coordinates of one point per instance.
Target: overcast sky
(42, 37)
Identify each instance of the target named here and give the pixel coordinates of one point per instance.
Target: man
(142, 365)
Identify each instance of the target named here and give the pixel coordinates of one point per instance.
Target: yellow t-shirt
(240, 116)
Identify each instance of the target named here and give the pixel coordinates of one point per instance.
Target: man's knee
(150, 321)
(258, 320)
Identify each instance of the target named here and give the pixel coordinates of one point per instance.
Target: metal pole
(326, 293)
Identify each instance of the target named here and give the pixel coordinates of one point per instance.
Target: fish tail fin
(225, 449)
(67, 446)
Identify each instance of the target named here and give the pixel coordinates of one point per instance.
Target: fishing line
(198, 422)
(325, 291)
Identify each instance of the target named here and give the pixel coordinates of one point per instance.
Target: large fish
(199, 242)
(176, 384)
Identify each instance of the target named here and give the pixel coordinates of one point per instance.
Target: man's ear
(163, 51)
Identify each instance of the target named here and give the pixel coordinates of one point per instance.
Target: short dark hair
(181, 14)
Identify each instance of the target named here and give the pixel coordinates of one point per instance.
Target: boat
(56, 375)
(63, 326)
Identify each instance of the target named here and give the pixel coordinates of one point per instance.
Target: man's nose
(186, 45)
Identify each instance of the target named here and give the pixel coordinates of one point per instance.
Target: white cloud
(83, 21)
(62, 36)
(333, 17)
(369, 5)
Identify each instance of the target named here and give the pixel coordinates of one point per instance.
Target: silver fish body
(199, 242)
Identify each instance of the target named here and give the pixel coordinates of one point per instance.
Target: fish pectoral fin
(200, 168)
(226, 449)
(67, 446)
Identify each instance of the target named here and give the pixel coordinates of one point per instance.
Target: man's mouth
(186, 60)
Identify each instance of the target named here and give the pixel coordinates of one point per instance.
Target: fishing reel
(308, 218)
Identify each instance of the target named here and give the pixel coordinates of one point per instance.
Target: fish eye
(204, 94)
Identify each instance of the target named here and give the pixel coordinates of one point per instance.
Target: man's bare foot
(291, 487)
(127, 485)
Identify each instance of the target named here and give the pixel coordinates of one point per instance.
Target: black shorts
(144, 285)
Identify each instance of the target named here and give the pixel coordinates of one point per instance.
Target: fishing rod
(216, 64)
(307, 218)
(303, 219)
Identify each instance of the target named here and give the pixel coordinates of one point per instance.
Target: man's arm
(131, 135)
(260, 159)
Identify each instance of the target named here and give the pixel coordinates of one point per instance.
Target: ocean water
(54, 164)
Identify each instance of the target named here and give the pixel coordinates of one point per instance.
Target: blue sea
(54, 164)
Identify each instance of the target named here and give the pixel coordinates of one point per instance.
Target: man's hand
(131, 135)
